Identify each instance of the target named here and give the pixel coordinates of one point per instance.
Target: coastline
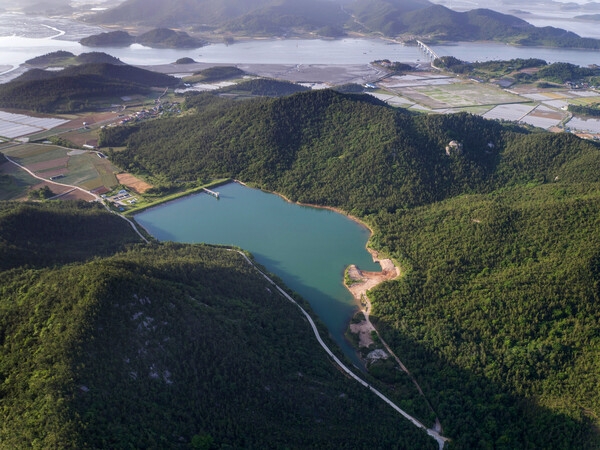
(177, 196)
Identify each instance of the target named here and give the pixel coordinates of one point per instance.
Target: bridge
(427, 50)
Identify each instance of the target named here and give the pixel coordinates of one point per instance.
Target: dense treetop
(165, 346)
(72, 88)
(497, 233)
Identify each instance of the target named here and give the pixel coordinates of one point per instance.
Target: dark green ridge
(498, 309)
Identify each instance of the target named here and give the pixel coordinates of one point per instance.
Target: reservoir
(308, 248)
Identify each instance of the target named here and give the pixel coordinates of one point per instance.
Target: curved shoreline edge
(359, 291)
(441, 440)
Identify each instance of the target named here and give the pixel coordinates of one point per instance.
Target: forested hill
(156, 38)
(63, 58)
(388, 17)
(392, 17)
(350, 151)
(72, 88)
(496, 229)
(39, 235)
(324, 17)
(164, 346)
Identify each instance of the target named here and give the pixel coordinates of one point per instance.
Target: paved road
(98, 199)
(441, 440)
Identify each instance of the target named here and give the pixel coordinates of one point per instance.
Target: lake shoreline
(389, 269)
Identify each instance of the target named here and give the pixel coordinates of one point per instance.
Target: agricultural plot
(514, 112)
(393, 100)
(557, 104)
(66, 166)
(14, 182)
(585, 94)
(584, 101)
(18, 125)
(478, 110)
(546, 96)
(544, 117)
(458, 95)
(40, 158)
(580, 124)
(405, 81)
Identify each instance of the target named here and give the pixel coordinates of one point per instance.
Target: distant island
(64, 58)
(78, 87)
(157, 38)
(406, 21)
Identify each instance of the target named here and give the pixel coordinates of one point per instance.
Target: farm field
(66, 166)
(544, 117)
(586, 125)
(584, 101)
(528, 104)
(393, 100)
(133, 182)
(14, 182)
(457, 95)
(510, 112)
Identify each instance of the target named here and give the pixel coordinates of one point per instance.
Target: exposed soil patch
(139, 186)
(363, 329)
(363, 281)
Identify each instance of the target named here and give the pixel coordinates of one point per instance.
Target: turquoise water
(308, 248)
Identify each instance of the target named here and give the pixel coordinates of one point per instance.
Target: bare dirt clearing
(132, 182)
(362, 281)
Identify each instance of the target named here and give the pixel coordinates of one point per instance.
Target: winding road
(97, 198)
(441, 440)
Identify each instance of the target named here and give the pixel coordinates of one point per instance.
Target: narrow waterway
(308, 248)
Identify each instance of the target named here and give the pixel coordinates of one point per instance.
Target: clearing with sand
(360, 282)
(132, 182)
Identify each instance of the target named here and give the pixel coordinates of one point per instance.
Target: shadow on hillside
(478, 413)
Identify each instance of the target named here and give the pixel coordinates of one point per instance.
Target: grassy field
(80, 168)
(584, 101)
(150, 202)
(14, 182)
(464, 94)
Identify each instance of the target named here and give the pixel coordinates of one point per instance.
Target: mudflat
(334, 75)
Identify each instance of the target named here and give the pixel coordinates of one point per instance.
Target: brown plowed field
(132, 182)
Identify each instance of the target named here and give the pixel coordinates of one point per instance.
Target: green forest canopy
(497, 313)
(162, 346)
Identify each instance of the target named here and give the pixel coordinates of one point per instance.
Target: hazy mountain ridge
(391, 18)
(178, 13)
(438, 22)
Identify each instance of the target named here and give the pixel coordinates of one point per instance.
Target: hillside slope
(350, 151)
(168, 346)
(498, 310)
(72, 88)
